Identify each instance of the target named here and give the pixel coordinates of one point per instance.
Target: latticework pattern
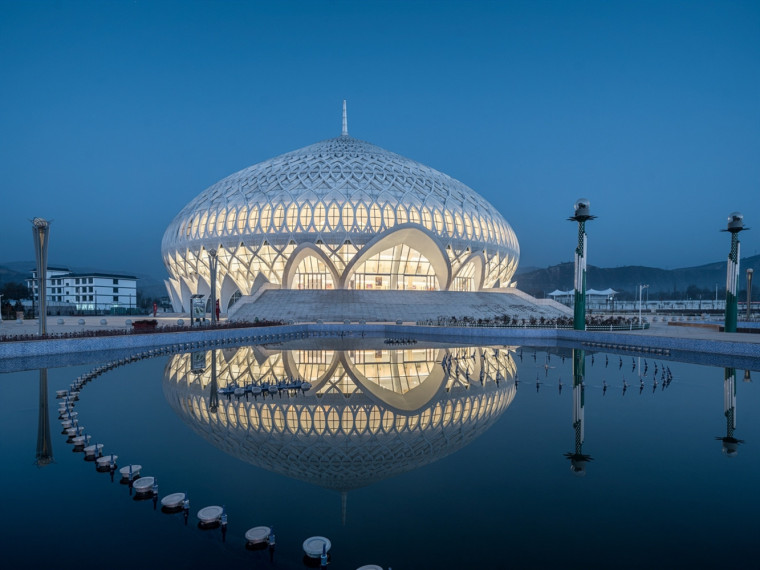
(334, 215)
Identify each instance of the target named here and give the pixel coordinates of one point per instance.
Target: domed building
(339, 214)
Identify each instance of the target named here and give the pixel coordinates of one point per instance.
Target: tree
(16, 291)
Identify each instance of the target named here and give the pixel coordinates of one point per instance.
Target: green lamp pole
(582, 214)
(735, 225)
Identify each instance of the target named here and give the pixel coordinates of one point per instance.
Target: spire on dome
(345, 120)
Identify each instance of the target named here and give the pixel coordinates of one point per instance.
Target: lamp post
(582, 215)
(212, 263)
(641, 289)
(749, 292)
(41, 232)
(735, 225)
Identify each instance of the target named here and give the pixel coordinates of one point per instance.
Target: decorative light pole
(735, 225)
(749, 292)
(582, 214)
(41, 232)
(212, 263)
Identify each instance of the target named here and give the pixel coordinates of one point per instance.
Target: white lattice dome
(341, 213)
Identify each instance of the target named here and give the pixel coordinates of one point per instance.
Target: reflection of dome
(341, 435)
(339, 214)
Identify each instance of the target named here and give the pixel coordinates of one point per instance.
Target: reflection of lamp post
(735, 225)
(641, 289)
(730, 443)
(44, 454)
(213, 396)
(749, 291)
(212, 263)
(41, 231)
(582, 214)
(577, 458)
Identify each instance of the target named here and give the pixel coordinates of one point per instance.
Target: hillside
(670, 283)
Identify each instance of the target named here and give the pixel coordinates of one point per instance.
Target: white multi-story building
(68, 292)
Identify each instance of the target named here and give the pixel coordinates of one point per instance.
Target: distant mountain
(20, 271)
(665, 283)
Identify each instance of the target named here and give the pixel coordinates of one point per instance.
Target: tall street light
(582, 214)
(641, 289)
(212, 263)
(735, 225)
(41, 231)
(749, 292)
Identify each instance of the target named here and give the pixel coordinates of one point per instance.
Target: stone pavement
(92, 323)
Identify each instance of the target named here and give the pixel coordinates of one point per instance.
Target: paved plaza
(93, 323)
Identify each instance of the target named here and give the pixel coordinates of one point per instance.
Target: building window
(115, 281)
(115, 298)
(115, 289)
(90, 281)
(77, 282)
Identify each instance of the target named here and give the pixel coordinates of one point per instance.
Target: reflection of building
(339, 214)
(371, 414)
(70, 291)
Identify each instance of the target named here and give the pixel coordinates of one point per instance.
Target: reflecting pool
(405, 454)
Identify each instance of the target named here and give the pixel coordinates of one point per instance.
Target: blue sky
(115, 114)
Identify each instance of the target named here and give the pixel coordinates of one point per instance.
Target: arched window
(291, 218)
(266, 218)
(312, 273)
(277, 217)
(375, 217)
(438, 221)
(389, 216)
(320, 216)
(305, 218)
(242, 219)
(427, 219)
(231, 217)
(401, 215)
(253, 218)
(399, 267)
(220, 221)
(348, 217)
(361, 217)
(333, 216)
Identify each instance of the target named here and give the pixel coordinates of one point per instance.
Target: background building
(69, 292)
